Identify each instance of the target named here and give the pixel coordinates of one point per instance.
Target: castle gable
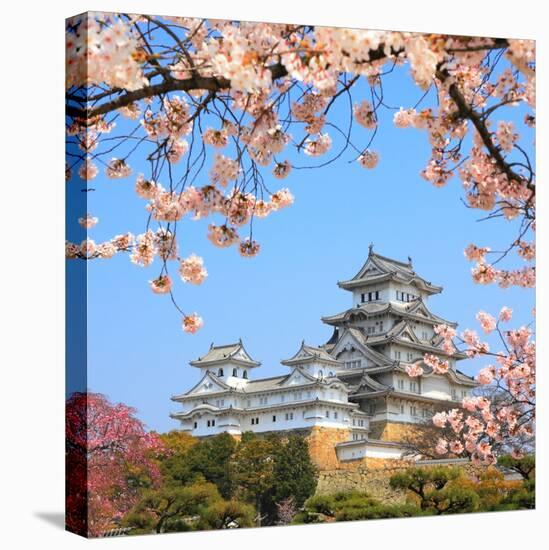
(208, 384)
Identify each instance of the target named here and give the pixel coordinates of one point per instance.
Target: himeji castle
(352, 392)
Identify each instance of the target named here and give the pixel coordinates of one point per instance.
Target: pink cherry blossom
(441, 447)
(249, 248)
(161, 285)
(88, 221)
(281, 199)
(368, 159)
(144, 250)
(487, 322)
(146, 189)
(318, 146)
(505, 314)
(282, 169)
(439, 419)
(192, 270)
(118, 168)
(192, 323)
(414, 370)
(365, 115)
(222, 236)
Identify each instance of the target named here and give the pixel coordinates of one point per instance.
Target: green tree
(525, 466)
(349, 506)
(227, 514)
(294, 473)
(252, 472)
(434, 491)
(208, 459)
(172, 508)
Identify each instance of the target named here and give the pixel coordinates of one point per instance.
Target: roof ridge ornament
(370, 249)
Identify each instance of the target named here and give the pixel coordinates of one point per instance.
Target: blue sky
(137, 352)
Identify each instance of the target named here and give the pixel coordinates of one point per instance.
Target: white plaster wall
(438, 387)
(303, 417)
(356, 452)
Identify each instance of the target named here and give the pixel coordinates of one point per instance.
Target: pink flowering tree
(109, 454)
(217, 107)
(501, 417)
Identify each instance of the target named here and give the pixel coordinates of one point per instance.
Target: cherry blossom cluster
(502, 417)
(88, 249)
(110, 48)
(268, 87)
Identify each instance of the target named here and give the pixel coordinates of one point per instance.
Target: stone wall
(374, 481)
(322, 442)
(393, 431)
(372, 476)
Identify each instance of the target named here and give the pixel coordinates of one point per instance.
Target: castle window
(397, 355)
(400, 384)
(327, 414)
(290, 416)
(401, 409)
(220, 372)
(413, 410)
(208, 423)
(335, 415)
(195, 425)
(253, 421)
(413, 387)
(377, 294)
(245, 374)
(320, 374)
(371, 330)
(274, 417)
(235, 372)
(363, 297)
(213, 422)
(372, 408)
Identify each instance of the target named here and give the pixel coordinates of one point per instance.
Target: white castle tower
(355, 384)
(388, 328)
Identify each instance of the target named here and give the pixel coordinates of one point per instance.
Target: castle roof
(414, 310)
(222, 354)
(378, 268)
(404, 334)
(359, 339)
(308, 353)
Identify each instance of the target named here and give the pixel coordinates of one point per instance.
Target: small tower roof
(308, 353)
(234, 353)
(378, 268)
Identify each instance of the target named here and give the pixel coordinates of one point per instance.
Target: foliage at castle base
(429, 491)
(234, 99)
(109, 458)
(219, 483)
